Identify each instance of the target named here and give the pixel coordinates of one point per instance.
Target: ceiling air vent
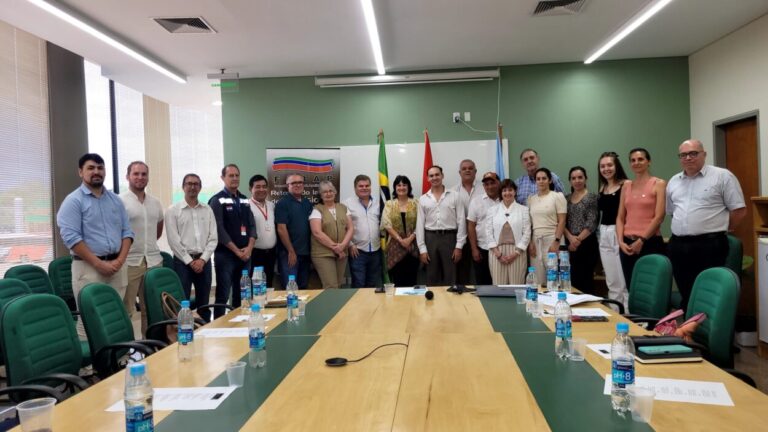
(558, 7)
(185, 25)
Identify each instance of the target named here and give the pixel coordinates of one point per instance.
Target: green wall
(569, 112)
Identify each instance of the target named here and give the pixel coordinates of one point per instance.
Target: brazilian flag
(383, 198)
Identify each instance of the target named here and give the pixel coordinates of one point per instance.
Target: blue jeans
(202, 283)
(229, 269)
(301, 269)
(366, 269)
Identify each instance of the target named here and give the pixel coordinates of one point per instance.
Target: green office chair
(9, 290)
(35, 277)
(167, 260)
(109, 329)
(650, 289)
(716, 293)
(156, 282)
(734, 261)
(60, 273)
(40, 344)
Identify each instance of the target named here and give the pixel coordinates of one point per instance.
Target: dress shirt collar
(87, 191)
(701, 173)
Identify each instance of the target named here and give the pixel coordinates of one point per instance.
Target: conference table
(470, 364)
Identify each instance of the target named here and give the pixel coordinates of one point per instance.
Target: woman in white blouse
(508, 229)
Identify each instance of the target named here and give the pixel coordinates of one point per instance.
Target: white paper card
(243, 318)
(224, 332)
(183, 399)
(549, 299)
(590, 312)
(408, 291)
(603, 350)
(674, 390)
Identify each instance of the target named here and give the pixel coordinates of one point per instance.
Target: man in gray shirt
(705, 202)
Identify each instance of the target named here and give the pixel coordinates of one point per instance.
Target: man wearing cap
(705, 202)
(526, 183)
(479, 208)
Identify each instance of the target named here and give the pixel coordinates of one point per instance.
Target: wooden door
(741, 155)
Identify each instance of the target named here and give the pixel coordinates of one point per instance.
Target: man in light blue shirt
(94, 226)
(526, 183)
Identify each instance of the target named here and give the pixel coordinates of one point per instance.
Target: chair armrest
(108, 356)
(157, 330)
(650, 322)
(614, 302)
(154, 344)
(742, 376)
(33, 388)
(213, 305)
(71, 381)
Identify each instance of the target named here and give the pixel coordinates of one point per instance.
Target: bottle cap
(551, 255)
(245, 271)
(136, 369)
(531, 269)
(622, 327)
(185, 304)
(258, 268)
(291, 277)
(255, 307)
(562, 295)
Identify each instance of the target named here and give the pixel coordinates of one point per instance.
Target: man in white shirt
(192, 235)
(705, 202)
(145, 214)
(441, 230)
(477, 219)
(264, 252)
(468, 190)
(364, 250)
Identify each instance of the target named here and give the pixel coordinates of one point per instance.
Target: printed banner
(315, 164)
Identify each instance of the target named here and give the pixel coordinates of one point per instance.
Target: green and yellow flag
(383, 198)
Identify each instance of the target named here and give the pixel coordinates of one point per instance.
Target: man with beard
(94, 226)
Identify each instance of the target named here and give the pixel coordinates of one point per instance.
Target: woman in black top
(580, 226)
(611, 179)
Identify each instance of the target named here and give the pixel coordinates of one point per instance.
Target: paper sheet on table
(242, 318)
(674, 390)
(183, 399)
(549, 299)
(583, 312)
(603, 350)
(408, 291)
(224, 332)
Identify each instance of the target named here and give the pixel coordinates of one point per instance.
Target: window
(196, 147)
(97, 107)
(25, 174)
(129, 114)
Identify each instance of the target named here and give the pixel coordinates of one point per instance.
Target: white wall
(728, 78)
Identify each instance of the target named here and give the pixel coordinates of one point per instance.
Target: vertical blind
(197, 147)
(25, 173)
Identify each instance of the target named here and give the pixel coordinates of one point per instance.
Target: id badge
(267, 227)
(242, 231)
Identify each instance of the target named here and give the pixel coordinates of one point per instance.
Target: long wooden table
(470, 364)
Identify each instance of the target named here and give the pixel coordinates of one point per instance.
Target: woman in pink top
(641, 211)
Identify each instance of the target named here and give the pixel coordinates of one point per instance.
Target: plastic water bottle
(565, 272)
(245, 292)
(259, 283)
(532, 290)
(622, 367)
(186, 332)
(562, 326)
(257, 356)
(552, 271)
(292, 299)
(138, 399)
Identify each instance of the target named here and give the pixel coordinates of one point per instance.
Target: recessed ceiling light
(644, 15)
(71, 18)
(373, 35)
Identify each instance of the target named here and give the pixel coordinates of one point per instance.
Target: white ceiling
(267, 38)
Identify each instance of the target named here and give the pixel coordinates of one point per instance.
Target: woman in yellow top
(548, 210)
(332, 230)
(398, 219)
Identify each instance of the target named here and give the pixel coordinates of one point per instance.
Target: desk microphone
(429, 295)
(341, 361)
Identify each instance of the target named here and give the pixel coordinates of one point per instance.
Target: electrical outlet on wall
(456, 117)
(466, 116)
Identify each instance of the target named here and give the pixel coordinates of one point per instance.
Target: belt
(443, 231)
(195, 255)
(707, 236)
(109, 257)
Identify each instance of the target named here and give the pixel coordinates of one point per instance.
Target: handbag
(171, 308)
(668, 325)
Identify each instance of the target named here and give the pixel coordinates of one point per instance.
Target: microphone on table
(429, 295)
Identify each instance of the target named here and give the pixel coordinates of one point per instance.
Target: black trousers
(691, 255)
(404, 273)
(583, 262)
(654, 245)
(482, 269)
(266, 258)
(464, 266)
(441, 270)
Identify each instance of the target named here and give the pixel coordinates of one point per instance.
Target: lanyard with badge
(264, 212)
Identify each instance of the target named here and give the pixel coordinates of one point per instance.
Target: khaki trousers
(331, 270)
(84, 274)
(136, 288)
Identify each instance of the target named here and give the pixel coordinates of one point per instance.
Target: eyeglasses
(192, 184)
(689, 155)
(296, 183)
